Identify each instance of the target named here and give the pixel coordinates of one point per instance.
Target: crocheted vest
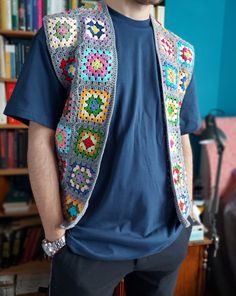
(82, 46)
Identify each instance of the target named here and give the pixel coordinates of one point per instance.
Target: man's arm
(188, 160)
(43, 173)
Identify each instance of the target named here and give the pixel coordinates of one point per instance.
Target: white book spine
(57, 6)
(3, 102)
(9, 21)
(2, 57)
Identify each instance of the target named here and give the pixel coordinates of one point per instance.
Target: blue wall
(209, 26)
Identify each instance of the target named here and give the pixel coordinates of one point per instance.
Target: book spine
(13, 62)
(49, 6)
(3, 14)
(22, 16)
(15, 16)
(3, 118)
(10, 152)
(29, 15)
(74, 4)
(15, 148)
(35, 15)
(40, 13)
(45, 5)
(8, 60)
(2, 57)
(27, 245)
(3, 149)
(9, 15)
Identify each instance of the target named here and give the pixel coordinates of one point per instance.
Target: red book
(9, 90)
(11, 149)
(40, 13)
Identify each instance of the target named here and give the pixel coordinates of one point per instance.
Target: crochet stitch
(82, 46)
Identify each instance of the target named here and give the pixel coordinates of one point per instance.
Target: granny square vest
(82, 46)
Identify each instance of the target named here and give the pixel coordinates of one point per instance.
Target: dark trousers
(154, 275)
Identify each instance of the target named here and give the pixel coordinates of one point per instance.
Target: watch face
(47, 248)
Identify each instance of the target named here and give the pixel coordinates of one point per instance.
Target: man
(115, 92)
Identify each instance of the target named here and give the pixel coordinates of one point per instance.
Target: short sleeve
(190, 119)
(38, 96)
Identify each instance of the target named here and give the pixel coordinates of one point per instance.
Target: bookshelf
(34, 267)
(17, 33)
(13, 126)
(13, 172)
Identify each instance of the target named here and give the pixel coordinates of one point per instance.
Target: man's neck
(130, 8)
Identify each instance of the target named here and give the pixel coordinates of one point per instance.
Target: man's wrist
(54, 235)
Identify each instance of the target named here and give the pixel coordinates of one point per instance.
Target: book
(8, 285)
(3, 118)
(15, 15)
(30, 283)
(29, 15)
(4, 15)
(197, 232)
(3, 149)
(9, 15)
(2, 57)
(16, 201)
(22, 15)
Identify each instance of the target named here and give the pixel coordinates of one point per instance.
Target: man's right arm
(43, 173)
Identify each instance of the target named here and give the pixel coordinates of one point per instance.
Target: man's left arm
(188, 160)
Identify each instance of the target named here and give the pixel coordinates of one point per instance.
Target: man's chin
(148, 2)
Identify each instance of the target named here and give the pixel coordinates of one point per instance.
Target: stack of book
(20, 241)
(13, 52)
(13, 148)
(17, 201)
(27, 15)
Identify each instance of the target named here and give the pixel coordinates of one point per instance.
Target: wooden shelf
(13, 126)
(17, 33)
(31, 212)
(2, 79)
(12, 172)
(32, 267)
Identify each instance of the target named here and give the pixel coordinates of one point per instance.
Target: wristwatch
(50, 248)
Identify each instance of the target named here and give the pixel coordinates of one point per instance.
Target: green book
(14, 16)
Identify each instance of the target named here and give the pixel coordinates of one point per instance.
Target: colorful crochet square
(177, 174)
(62, 31)
(92, 6)
(185, 55)
(94, 105)
(72, 207)
(80, 178)
(172, 109)
(88, 142)
(96, 65)
(95, 29)
(171, 76)
(63, 137)
(167, 47)
(183, 82)
(68, 68)
(183, 204)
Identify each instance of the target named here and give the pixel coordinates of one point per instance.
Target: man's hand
(43, 173)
